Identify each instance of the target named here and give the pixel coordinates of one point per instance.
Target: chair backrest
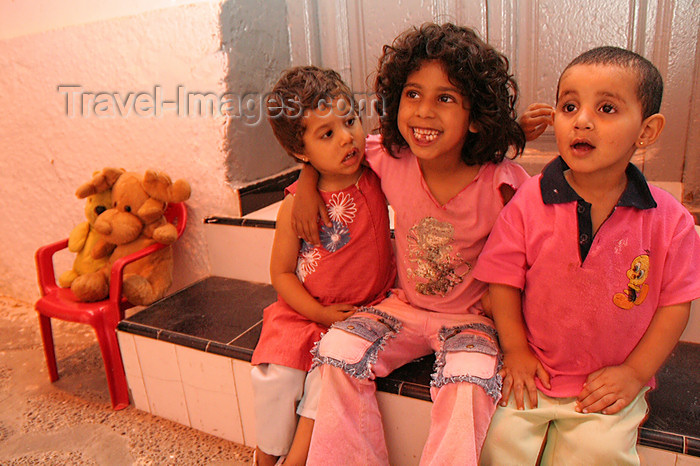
(177, 215)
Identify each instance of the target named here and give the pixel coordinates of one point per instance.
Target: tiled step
(187, 359)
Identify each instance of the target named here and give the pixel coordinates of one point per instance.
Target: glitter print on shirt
(437, 268)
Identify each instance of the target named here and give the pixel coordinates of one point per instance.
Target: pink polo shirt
(588, 300)
(437, 245)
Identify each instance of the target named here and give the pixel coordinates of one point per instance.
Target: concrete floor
(71, 421)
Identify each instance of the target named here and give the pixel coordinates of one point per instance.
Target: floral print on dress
(307, 260)
(436, 267)
(341, 208)
(334, 237)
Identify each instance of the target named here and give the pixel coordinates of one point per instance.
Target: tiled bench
(187, 359)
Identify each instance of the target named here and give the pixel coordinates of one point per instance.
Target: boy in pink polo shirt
(591, 274)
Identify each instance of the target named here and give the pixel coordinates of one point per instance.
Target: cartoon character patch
(637, 290)
(437, 267)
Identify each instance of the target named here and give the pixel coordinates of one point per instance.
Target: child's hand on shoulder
(519, 372)
(335, 313)
(535, 120)
(609, 390)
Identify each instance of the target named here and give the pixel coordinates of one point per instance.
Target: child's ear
(473, 127)
(651, 130)
(301, 158)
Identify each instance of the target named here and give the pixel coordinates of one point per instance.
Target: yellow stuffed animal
(83, 238)
(135, 221)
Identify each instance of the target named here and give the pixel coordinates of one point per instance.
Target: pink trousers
(374, 342)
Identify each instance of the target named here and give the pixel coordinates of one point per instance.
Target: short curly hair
(474, 67)
(298, 90)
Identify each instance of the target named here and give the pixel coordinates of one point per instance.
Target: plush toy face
(122, 224)
(96, 204)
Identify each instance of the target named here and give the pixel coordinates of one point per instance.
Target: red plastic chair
(103, 316)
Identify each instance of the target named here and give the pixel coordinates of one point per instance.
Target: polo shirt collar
(556, 190)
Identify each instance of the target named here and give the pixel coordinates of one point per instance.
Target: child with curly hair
(447, 126)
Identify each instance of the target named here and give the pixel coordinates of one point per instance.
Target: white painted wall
(45, 155)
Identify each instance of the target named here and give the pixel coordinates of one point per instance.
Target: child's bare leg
(300, 445)
(263, 459)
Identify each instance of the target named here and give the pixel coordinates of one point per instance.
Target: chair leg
(49, 351)
(114, 368)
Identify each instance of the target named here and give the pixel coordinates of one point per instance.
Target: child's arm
(307, 207)
(283, 274)
(535, 120)
(521, 366)
(610, 389)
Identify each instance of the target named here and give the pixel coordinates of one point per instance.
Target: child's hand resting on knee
(519, 372)
(335, 313)
(609, 390)
(536, 119)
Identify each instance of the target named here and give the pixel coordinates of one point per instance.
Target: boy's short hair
(299, 90)
(650, 85)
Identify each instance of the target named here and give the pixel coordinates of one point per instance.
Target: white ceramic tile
(161, 377)
(266, 213)
(240, 252)
(205, 370)
(167, 399)
(404, 439)
(157, 358)
(210, 392)
(244, 392)
(214, 412)
(132, 368)
(654, 457)
(687, 460)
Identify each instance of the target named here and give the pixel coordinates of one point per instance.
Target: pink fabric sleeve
(509, 173)
(504, 259)
(291, 189)
(376, 154)
(681, 279)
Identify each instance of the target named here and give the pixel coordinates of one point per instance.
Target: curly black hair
(474, 67)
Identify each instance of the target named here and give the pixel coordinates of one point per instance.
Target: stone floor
(71, 421)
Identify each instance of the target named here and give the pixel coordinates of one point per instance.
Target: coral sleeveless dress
(354, 264)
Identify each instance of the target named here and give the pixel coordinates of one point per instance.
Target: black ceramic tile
(416, 372)
(692, 446)
(214, 309)
(675, 405)
(184, 340)
(422, 392)
(256, 196)
(138, 329)
(230, 351)
(663, 440)
(240, 222)
(249, 339)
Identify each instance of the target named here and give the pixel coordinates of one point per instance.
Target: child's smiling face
(598, 120)
(433, 115)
